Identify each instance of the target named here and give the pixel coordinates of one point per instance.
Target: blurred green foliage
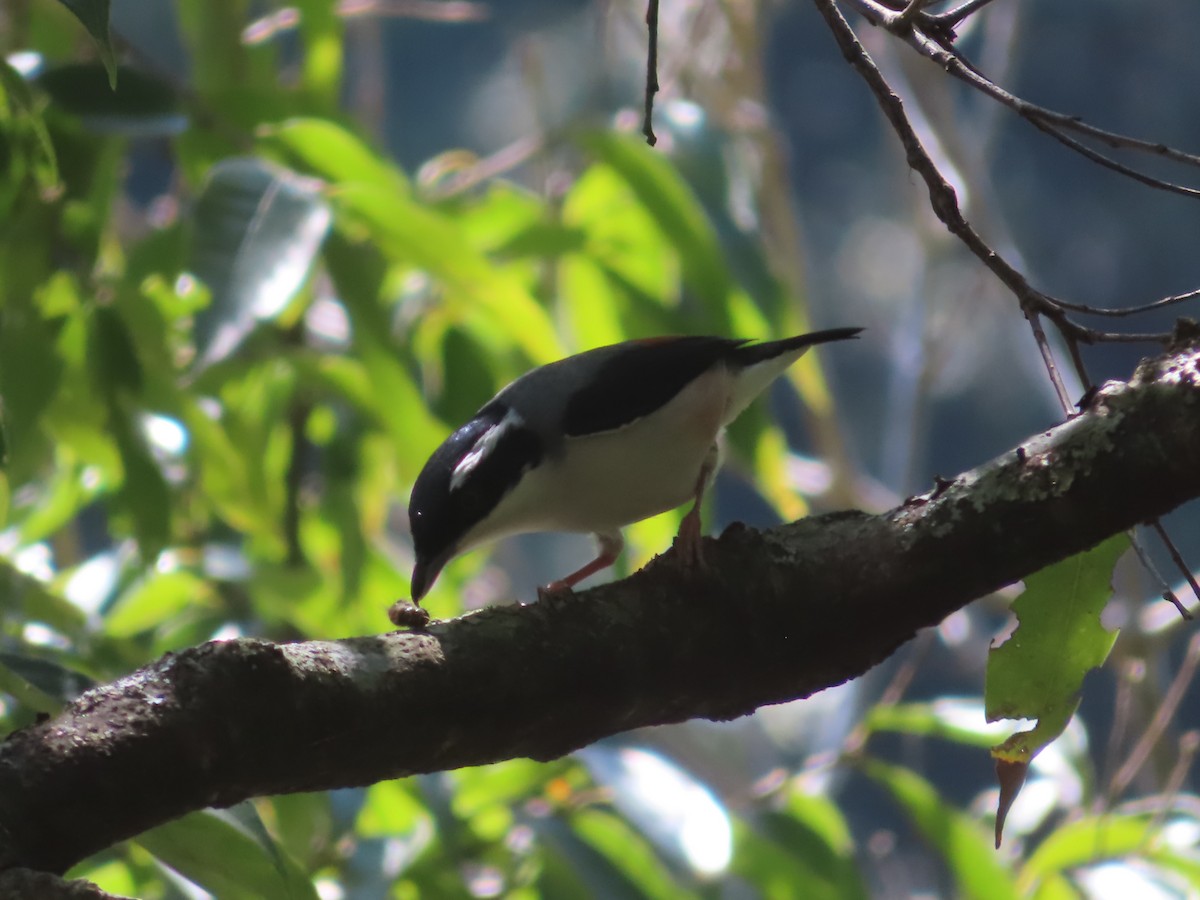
(211, 410)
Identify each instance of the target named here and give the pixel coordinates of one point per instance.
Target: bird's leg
(610, 548)
(687, 541)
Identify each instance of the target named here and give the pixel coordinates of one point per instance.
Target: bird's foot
(688, 544)
(555, 590)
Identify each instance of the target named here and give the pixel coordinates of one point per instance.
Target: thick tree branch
(777, 615)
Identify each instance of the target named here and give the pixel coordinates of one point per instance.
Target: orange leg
(688, 540)
(610, 548)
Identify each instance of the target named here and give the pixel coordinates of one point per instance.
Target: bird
(592, 443)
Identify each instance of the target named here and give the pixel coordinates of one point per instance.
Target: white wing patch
(483, 447)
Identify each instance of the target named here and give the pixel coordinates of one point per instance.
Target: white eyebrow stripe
(483, 448)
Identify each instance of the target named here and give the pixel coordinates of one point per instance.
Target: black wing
(641, 378)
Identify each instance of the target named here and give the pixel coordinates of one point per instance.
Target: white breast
(605, 481)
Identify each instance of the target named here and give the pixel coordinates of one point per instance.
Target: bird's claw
(688, 544)
(555, 590)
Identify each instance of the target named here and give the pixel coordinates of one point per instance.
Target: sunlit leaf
(664, 194)
(803, 850)
(153, 599)
(1038, 672)
(333, 153)
(391, 810)
(94, 16)
(227, 861)
(667, 804)
(24, 119)
(1086, 841)
(28, 599)
(953, 719)
(114, 876)
(321, 65)
(39, 683)
(257, 229)
(630, 856)
(963, 845)
(477, 290)
(304, 824)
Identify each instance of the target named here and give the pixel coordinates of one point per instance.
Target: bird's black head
(462, 483)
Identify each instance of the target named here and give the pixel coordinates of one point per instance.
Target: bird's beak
(425, 573)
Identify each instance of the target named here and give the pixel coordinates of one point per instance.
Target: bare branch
(1053, 123)
(1177, 558)
(776, 616)
(1129, 310)
(651, 71)
(932, 37)
(952, 17)
(943, 199)
(1163, 717)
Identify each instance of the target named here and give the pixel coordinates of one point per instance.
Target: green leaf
(682, 219)
(144, 494)
(30, 372)
(950, 718)
(40, 684)
(226, 860)
(803, 850)
(1038, 672)
(479, 294)
(1087, 841)
(257, 229)
(303, 825)
(27, 599)
(153, 599)
(631, 857)
(978, 871)
(20, 112)
(94, 16)
(143, 106)
(112, 359)
(391, 810)
(333, 153)
(501, 784)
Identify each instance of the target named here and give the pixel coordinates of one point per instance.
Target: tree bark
(775, 616)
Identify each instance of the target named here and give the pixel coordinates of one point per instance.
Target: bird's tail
(763, 363)
(752, 354)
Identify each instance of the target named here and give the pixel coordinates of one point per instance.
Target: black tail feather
(750, 354)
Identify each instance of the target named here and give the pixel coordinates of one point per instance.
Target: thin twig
(1129, 310)
(1158, 725)
(1167, 594)
(942, 197)
(1189, 743)
(1077, 360)
(437, 182)
(1176, 557)
(952, 17)
(1092, 336)
(1039, 335)
(1053, 123)
(932, 36)
(651, 71)
(1108, 162)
